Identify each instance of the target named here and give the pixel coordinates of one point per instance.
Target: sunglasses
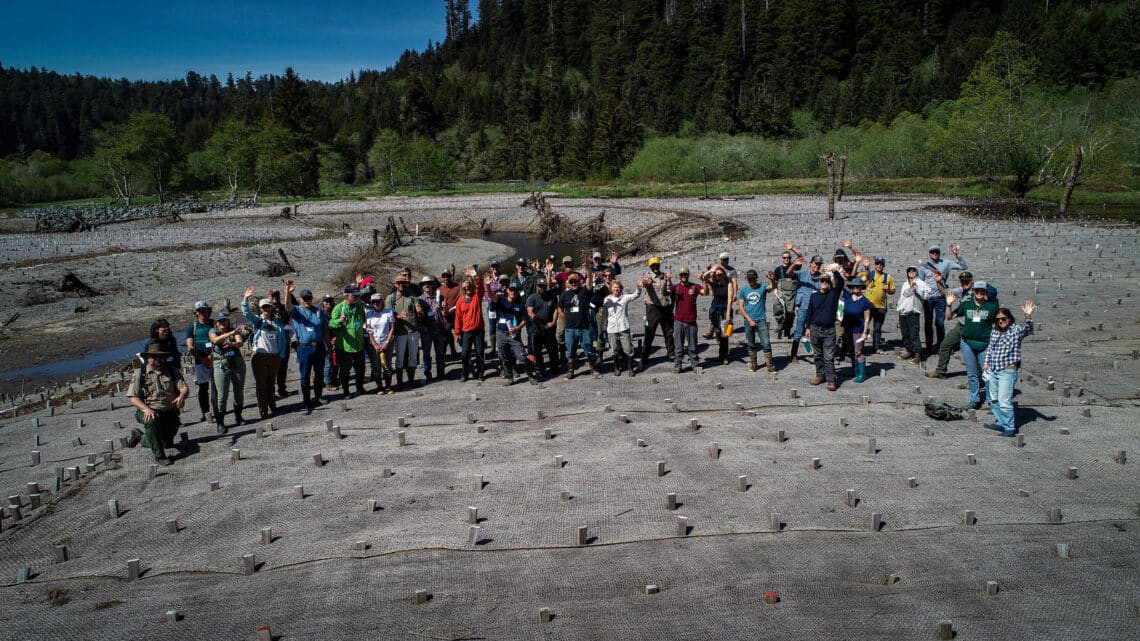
(1002, 319)
(786, 257)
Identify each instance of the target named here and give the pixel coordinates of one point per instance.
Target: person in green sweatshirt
(347, 325)
(978, 319)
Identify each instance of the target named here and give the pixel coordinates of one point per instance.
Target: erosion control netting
(832, 571)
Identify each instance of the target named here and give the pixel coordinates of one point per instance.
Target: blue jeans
(934, 315)
(1000, 392)
(801, 320)
(576, 337)
(758, 334)
(974, 360)
(310, 361)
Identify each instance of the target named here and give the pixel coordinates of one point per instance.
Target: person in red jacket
(469, 323)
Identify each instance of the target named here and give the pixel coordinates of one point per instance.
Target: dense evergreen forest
(645, 89)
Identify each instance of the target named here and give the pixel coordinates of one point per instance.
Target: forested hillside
(539, 89)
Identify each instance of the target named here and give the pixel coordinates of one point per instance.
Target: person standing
(684, 295)
(574, 310)
(934, 307)
(809, 283)
(201, 352)
(733, 285)
(379, 330)
(856, 325)
(347, 325)
(523, 280)
(229, 369)
(433, 330)
(720, 288)
(331, 371)
(469, 325)
(978, 320)
(953, 340)
(510, 320)
(269, 343)
(913, 292)
(880, 285)
(819, 317)
(750, 303)
(409, 315)
(1003, 361)
(158, 393)
(658, 312)
(541, 307)
(450, 291)
(311, 327)
(616, 307)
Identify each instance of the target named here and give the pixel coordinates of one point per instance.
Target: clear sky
(156, 40)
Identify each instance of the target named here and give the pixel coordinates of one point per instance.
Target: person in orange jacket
(468, 327)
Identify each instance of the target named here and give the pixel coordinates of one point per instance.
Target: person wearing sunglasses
(1003, 361)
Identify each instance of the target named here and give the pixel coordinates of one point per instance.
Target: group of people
(542, 321)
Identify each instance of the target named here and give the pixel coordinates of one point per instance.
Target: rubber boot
(220, 422)
(795, 350)
(632, 364)
(768, 362)
(752, 366)
(529, 366)
(594, 367)
(508, 375)
(860, 372)
(411, 372)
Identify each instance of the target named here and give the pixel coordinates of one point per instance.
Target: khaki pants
(265, 368)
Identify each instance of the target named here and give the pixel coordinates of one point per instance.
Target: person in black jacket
(820, 324)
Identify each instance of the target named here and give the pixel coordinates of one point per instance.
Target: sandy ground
(837, 578)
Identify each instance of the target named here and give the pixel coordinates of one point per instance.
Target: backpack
(943, 412)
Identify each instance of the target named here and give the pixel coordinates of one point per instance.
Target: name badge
(230, 353)
(574, 309)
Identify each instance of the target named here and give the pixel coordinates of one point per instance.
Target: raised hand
(950, 299)
(866, 262)
(799, 261)
(771, 275)
(613, 257)
(249, 292)
(788, 246)
(290, 287)
(846, 242)
(953, 249)
(1028, 308)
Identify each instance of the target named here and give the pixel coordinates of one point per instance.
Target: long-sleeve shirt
(943, 266)
(310, 323)
(809, 284)
(265, 332)
(1004, 349)
(911, 297)
(822, 307)
(349, 334)
(469, 313)
(617, 311)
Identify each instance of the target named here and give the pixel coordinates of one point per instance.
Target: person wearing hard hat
(658, 312)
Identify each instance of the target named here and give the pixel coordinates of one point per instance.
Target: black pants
(473, 340)
(544, 339)
(878, 317)
(351, 361)
(657, 316)
(282, 373)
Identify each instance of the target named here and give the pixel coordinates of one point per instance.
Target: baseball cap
(912, 268)
(306, 294)
(965, 277)
(265, 302)
(328, 298)
(980, 284)
(879, 260)
(221, 316)
(817, 259)
(825, 277)
(934, 248)
(520, 261)
(494, 263)
(426, 279)
(352, 289)
(504, 278)
(684, 270)
(541, 282)
(377, 298)
(201, 305)
(401, 279)
(723, 255)
(597, 254)
(567, 259)
(751, 274)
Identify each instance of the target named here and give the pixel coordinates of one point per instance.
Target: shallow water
(118, 353)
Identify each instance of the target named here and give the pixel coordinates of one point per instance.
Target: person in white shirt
(911, 297)
(379, 326)
(616, 307)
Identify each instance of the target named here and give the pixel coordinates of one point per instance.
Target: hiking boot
(593, 361)
(707, 335)
(818, 380)
(916, 361)
(768, 362)
(936, 374)
(752, 366)
(676, 370)
(164, 461)
(905, 355)
(135, 437)
(994, 426)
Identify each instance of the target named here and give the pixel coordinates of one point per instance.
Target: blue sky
(155, 40)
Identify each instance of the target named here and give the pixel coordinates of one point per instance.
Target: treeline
(539, 89)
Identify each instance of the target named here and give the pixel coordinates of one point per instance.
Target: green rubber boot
(860, 372)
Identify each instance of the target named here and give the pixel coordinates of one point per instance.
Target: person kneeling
(158, 393)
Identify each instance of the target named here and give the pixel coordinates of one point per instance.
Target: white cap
(378, 298)
(724, 255)
(264, 301)
(597, 254)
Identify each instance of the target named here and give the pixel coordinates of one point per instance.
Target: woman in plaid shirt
(1003, 358)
